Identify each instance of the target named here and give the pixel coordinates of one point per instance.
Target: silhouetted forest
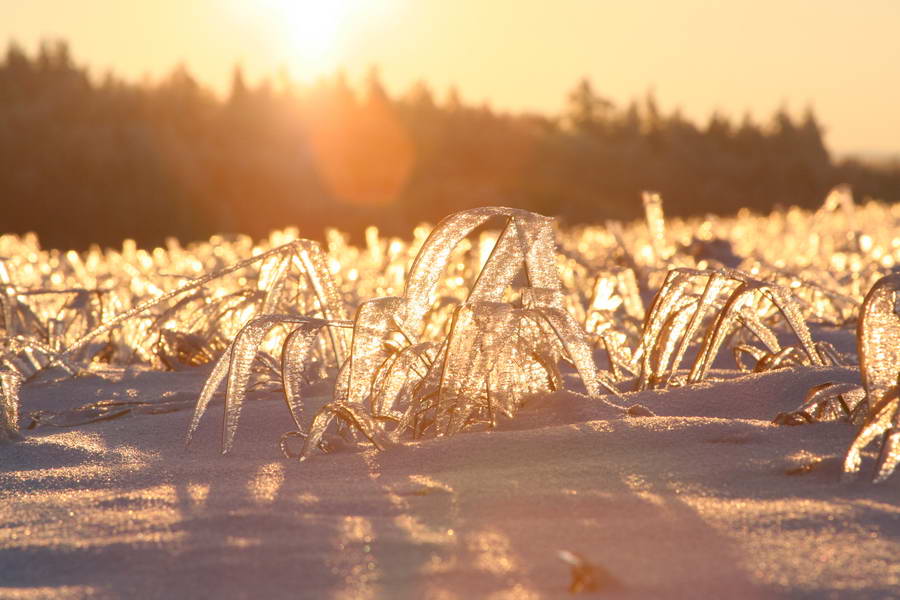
(97, 160)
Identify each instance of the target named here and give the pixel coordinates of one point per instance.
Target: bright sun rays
(311, 34)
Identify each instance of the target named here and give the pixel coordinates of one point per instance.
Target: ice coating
(294, 354)
(234, 367)
(374, 321)
(878, 339)
(478, 334)
(656, 224)
(728, 298)
(315, 267)
(405, 370)
(711, 291)
(9, 406)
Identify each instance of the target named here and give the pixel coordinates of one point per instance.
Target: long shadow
(516, 508)
(197, 524)
(480, 513)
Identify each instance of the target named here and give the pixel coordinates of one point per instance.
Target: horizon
(692, 57)
(280, 81)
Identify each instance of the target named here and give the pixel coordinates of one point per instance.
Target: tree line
(95, 160)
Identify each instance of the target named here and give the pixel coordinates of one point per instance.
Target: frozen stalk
(656, 225)
(878, 340)
(9, 406)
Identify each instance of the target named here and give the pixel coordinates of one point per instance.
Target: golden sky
(841, 57)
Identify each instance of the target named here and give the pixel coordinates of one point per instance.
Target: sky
(840, 58)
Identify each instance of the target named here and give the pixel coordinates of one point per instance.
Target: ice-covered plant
(875, 406)
(724, 299)
(396, 380)
(9, 406)
(878, 340)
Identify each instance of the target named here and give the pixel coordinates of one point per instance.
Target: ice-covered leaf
(235, 365)
(9, 406)
(294, 355)
(656, 224)
(375, 320)
(707, 302)
(477, 335)
(352, 415)
(878, 341)
(878, 337)
(408, 367)
(579, 351)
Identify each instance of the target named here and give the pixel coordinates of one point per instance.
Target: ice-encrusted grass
(459, 326)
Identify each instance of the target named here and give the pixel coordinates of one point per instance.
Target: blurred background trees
(85, 160)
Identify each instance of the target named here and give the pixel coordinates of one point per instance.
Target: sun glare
(311, 32)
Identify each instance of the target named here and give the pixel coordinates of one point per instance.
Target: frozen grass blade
(234, 366)
(742, 298)
(878, 337)
(9, 406)
(579, 351)
(656, 224)
(526, 237)
(477, 335)
(409, 367)
(373, 323)
(305, 248)
(272, 280)
(215, 379)
(711, 291)
(295, 352)
(243, 352)
(825, 402)
(666, 300)
(878, 341)
(429, 263)
(879, 423)
(315, 266)
(351, 415)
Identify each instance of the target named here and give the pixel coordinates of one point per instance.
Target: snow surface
(708, 499)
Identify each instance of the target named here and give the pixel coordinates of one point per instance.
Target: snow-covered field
(514, 443)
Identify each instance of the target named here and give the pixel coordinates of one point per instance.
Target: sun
(311, 32)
